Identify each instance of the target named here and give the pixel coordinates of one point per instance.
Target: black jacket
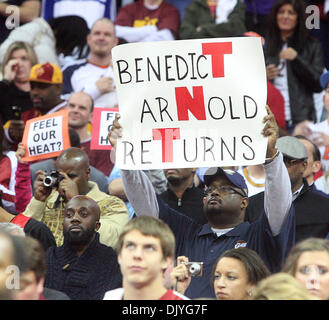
(10, 96)
(303, 79)
(312, 212)
(191, 203)
(87, 277)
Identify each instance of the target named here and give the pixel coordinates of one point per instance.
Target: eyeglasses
(290, 162)
(223, 190)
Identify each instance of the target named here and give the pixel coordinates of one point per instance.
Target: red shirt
(166, 16)
(171, 295)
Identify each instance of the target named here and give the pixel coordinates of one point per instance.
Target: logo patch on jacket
(240, 244)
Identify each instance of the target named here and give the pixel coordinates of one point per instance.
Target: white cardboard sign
(191, 103)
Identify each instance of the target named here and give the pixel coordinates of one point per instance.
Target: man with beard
(95, 76)
(82, 267)
(47, 204)
(182, 195)
(225, 203)
(80, 106)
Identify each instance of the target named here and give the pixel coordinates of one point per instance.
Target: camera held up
(195, 269)
(53, 179)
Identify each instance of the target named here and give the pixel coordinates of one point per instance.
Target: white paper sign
(102, 122)
(47, 136)
(191, 103)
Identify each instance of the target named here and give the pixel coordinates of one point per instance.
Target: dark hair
(70, 32)
(254, 265)
(273, 42)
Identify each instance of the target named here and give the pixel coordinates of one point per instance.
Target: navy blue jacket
(200, 243)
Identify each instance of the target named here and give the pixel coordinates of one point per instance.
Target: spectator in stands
(313, 163)
(27, 10)
(71, 39)
(308, 262)
(8, 166)
(39, 35)
(31, 286)
(308, 224)
(26, 174)
(46, 85)
(90, 11)
(147, 20)
(80, 106)
(235, 274)
(12, 253)
(48, 203)
(82, 267)
(15, 87)
(319, 132)
(95, 76)
(294, 60)
(225, 203)
(146, 248)
(182, 195)
(212, 19)
(281, 286)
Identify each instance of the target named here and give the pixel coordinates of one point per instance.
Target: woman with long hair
(294, 60)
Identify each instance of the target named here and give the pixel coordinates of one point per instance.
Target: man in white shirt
(95, 75)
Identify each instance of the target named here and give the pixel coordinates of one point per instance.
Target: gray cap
(292, 148)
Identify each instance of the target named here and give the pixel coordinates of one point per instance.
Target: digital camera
(195, 269)
(53, 179)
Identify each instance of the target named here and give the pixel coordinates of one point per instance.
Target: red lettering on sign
(166, 135)
(217, 50)
(185, 102)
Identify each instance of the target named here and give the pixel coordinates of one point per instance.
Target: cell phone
(16, 113)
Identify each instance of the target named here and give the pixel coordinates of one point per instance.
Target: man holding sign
(200, 103)
(271, 236)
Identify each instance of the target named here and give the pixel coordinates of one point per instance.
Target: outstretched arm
(138, 188)
(277, 194)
